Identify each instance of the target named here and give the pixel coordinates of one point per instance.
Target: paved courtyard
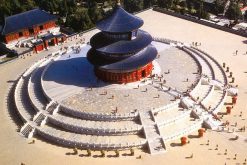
(69, 81)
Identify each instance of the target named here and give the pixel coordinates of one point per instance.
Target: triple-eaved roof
(25, 20)
(120, 21)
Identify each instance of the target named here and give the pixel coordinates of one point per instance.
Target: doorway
(143, 73)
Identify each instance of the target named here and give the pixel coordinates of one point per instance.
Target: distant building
(26, 24)
(31, 25)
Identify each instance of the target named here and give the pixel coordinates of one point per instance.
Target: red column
(46, 44)
(34, 49)
(125, 77)
(108, 76)
(54, 41)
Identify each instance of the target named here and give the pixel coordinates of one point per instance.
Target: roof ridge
(22, 13)
(26, 19)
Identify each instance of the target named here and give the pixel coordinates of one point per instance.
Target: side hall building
(34, 29)
(26, 24)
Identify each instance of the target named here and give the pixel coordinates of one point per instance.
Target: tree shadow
(188, 157)
(126, 154)
(221, 113)
(175, 144)
(98, 156)
(193, 136)
(233, 139)
(71, 153)
(83, 155)
(112, 156)
(228, 104)
(11, 81)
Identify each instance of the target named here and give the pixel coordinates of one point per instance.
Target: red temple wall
(25, 32)
(128, 77)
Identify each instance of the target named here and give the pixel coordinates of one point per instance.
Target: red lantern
(201, 132)
(183, 140)
(228, 110)
(234, 99)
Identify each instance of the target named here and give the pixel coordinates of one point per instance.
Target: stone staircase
(106, 131)
(39, 118)
(217, 69)
(26, 130)
(152, 134)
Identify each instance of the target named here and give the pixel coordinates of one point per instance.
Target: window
(134, 34)
(143, 73)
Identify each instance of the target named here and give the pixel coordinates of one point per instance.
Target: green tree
(133, 5)
(218, 7)
(162, 3)
(148, 3)
(233, 12)
(165, 3)
(93, 11)
(29, 4)
(79, 20)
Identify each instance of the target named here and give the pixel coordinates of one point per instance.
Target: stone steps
(157, 146)
(205, 65)
(89, 141)
(95, 127)
(202, 92)
(218, 70)
(214, 99)
(26, 129)
(174, 127)
(71, 123)
(165, 117)
(23, 105)
(152, 133)
(184, 130)
(38, 118)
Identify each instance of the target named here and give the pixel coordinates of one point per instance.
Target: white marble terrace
(61, 101)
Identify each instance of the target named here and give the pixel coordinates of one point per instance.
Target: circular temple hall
(121, 52)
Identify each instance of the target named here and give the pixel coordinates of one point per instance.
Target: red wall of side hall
(25, 32)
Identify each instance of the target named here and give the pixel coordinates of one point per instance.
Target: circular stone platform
(69, 80)
(59, 99)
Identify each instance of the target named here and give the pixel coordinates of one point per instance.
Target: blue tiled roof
(48, 36)
(105, 45)
(120, 21)
(27, 19)
(140, 59)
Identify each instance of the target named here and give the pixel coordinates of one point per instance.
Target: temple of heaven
(121, 52)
